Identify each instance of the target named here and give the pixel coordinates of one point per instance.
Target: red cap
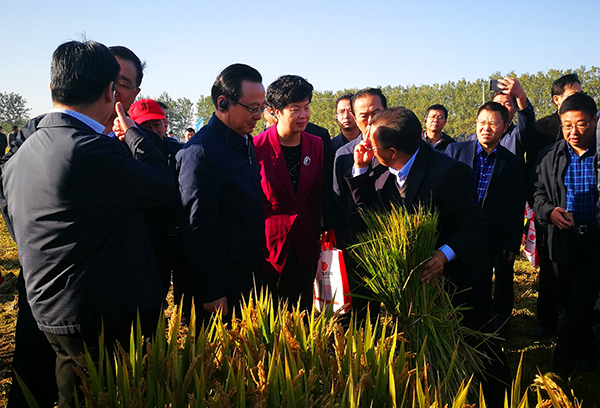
(145, 109)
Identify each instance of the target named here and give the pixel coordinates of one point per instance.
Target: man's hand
(122, 122)
(512, 87)
(433, 267)
(363, 153)
(216, 305)
(562, 218)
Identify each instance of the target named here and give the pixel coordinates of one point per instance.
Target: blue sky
(334, 44)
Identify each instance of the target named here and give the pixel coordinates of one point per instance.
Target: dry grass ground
(523, 326)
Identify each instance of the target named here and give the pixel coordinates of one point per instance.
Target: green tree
(13, 110)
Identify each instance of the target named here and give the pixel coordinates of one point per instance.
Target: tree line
(462, 99)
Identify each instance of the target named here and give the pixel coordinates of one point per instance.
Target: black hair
(437, 106)
(495, 107)
(558, 86)
(126, 54)
(162, 105)
(344, 97)
(288, 89)
(369, 91)
(579, 102)
(502, 93)
(80, 72)
(15, 127)
(191, 129)
(229, 82)
(398, 128)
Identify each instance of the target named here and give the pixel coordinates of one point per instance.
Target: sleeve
(542, 202)
(516, 205)
(133, 182)
(200, 184)
(526, 125)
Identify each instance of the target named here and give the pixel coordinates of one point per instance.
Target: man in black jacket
(565, 198)
(82, 241)
(222, 198)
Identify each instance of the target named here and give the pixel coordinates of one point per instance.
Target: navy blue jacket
(222, 200)
(74, 198)
(504, 199)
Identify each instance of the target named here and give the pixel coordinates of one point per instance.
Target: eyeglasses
(342, 113)
(492, 125)
(374, 149)
(438, 117)
(131, 88)
(581, 127)
(254, 111)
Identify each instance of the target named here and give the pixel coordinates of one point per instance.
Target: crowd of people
(108, 210)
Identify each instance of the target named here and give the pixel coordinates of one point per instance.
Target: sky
(334, 44)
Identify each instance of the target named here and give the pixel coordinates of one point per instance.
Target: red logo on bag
(324, 266)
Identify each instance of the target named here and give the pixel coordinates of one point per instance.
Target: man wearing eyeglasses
(349, 131)
(565, 198)
(435, 120)
(499, 179)
(222, 197)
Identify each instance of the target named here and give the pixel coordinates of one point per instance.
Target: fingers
(120, 111)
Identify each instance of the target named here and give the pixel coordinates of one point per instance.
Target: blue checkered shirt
(580, 183)
(483, 165)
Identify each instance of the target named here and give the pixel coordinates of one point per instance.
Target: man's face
(166, 119)
(156, 125)
(127, 90)
(240, 119)
(294, 117)
(343, 115)
(435, 120)
(578, 129)
(508, 102)
(568, 91)
(364, 109)
(490, 128)
(188, 135)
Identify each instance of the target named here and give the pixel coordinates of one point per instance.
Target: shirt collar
(483, 153)
(404, 171)
(96, 126)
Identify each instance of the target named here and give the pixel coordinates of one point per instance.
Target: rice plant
(391, 251)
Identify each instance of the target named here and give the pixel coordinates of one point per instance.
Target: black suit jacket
(74, 198)
(504, 200)
(439, 181)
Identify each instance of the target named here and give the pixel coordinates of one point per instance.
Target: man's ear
(109, 93)
(138, 91)
(555, 99)
(505, 127)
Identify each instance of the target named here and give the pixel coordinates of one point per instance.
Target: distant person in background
(13, 134)
(187, 135)
(148, 113)
(549, 132)
(3, 142)
(269, 117)
(292, 202)
(517, 138)
(435, 120)
(343, 115)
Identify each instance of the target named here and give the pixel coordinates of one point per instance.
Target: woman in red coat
(291, 169)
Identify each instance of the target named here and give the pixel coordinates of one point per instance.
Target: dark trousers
(69, 349)
(33, 359)
(293, 284)
(504, 292)
(579, 284)
(547, 303)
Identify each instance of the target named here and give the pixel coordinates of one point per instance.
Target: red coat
(291, 217)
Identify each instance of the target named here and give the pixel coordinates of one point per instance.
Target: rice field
(537, 356)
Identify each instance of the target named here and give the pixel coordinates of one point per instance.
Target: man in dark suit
(3, 143)
(222, 198)
(82, 242)
(499, 179)
(411, 173)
